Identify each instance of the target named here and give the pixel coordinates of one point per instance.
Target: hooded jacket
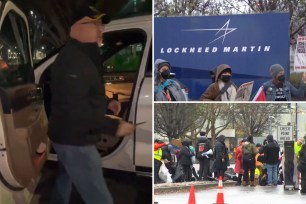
(220, 154)
(78, 103)
(186, 154)
(271, 151)
(171, 85)
(212, 92)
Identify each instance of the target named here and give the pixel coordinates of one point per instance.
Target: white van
(25, 99)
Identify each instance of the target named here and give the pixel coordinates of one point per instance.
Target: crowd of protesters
(179, 159)
(254, 164)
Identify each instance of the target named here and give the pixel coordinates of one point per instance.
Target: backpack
(200, 150)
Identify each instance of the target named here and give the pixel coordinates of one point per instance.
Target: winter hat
(275, 69)
(186, 142)
(221, 138)
(164, 64)
(250, 139)
(270, 138)
(90, 13)
(202, 133)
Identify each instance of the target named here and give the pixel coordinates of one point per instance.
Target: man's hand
(114, 106)
(124, 129)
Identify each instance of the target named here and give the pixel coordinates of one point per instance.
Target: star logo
(221, 32)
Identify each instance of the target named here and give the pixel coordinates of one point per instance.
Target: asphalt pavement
(235, 195)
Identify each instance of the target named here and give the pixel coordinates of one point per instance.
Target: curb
(160, 189)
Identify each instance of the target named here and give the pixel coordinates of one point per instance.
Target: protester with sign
(223, 89)
(278, 89)
(300, 54)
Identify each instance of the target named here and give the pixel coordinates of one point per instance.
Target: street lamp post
(270, 124)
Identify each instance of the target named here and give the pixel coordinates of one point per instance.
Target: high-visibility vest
(257, 172)
(158, 154)
(297, 149)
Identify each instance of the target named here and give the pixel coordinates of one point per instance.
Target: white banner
(300, 55)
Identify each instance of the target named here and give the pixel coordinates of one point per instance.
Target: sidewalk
(185, 186)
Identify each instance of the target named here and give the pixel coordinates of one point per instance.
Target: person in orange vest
(158, 152)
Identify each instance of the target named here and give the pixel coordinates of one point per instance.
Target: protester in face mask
(165, 88)
(278, 89)
(223, 89)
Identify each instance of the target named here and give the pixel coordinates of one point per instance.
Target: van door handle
(35, 95)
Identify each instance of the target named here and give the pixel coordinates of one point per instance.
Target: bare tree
(255, 119)
(174, 120)
(296, 9)
(186, 7)
(219, 117)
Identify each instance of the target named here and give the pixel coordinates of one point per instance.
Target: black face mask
(165, 74)
(281, 78)
(226, 78)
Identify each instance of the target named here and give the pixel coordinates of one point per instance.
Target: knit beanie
(164, 64)
(275, 69)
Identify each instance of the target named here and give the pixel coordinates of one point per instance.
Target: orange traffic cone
(220, 197)
(191, 195)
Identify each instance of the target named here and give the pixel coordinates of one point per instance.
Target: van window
(123, 51)
(122, 56)
(127, 59)
(15, 63)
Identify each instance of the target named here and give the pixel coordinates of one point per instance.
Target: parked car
(25, 99)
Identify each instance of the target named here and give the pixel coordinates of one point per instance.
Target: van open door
(23, 122)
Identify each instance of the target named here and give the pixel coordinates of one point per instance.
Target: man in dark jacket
(202, 148)
(271, 154)
(185, 159)
(220, 155)
(78, 113)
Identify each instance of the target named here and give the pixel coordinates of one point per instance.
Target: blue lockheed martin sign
(250, 44)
